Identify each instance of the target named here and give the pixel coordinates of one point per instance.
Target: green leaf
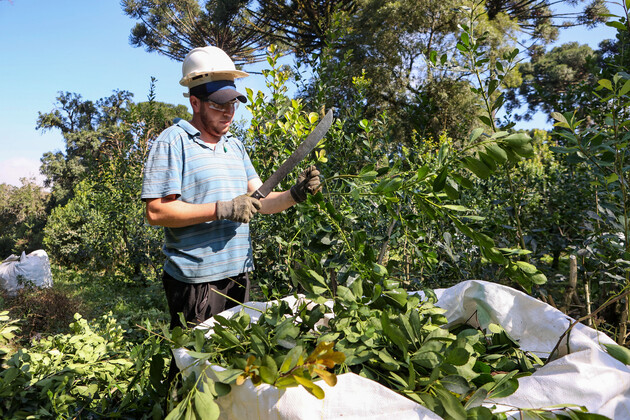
(228, 375)
(487, 160)
(345, 294)
(506, 386)
(476, 399)
(451, 404)
(456, 384)
(393, 332)
(487, 121)
(456, 207)
(475, 134)
(291, 359)
(618, 352)
(465, 39)
(476, 166)
(559, 117)
(617, 25)
(459, 356)
(178, 412)
(526, 267)
(526, 150)
(398, 297)
(268, 370)
(368, 176)
(318, 278)
(518, 139)
(497, 153)
(538, 278)
(205, 407)
(605, 82)
(625, 88)
(440, 180)
(492, 86)
(379, 270)
(423, 172)
(479, 413)
(387, 186)
(433, 57)
(612, 178)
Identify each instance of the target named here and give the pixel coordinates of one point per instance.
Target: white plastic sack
(33, 269)
(588, 376)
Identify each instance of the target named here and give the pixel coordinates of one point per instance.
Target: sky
(82, 46)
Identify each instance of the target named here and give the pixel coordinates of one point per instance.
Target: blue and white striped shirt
(181, 163)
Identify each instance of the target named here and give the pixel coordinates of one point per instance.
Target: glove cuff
(224, 209)
(296, 194)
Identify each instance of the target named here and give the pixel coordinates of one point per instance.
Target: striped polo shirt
(181, 163)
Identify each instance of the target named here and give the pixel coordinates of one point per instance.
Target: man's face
(216, 123)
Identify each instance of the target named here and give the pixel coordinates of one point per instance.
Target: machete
(296, 157)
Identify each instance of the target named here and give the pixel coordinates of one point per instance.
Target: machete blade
(296, 157)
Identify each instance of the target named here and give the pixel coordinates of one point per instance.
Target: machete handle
(257, 195)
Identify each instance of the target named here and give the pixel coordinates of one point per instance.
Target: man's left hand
(307, 183)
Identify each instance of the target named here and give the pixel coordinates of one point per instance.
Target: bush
(90, 373)
(43, 311)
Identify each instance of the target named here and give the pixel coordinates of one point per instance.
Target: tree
(389, 41)
(554, 80)
(242, 28)
(173, 28)
(85, 125)
(537, 19)
(22, 217)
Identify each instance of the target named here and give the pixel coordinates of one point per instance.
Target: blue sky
(82, 46)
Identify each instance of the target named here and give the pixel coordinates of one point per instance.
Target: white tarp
(587, 376)
(17, 271)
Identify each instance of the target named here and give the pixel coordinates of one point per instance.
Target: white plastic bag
(33, 269)
(587, 376)
(584, 375)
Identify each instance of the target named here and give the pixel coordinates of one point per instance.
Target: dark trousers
(198, 302)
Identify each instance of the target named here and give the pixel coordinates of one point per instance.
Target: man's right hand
(240, 209)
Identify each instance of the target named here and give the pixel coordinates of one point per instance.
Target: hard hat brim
(199, 78)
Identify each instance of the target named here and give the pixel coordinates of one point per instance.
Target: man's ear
(195, 103)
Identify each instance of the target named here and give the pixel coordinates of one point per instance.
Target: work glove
(307, 182)
(239, 209)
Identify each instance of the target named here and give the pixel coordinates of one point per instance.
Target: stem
(390, 229)
(237, 302)
(574, 323)
(517, 218)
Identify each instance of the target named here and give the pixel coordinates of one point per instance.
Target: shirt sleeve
(163, 168)
(249, 168)
(250, 171)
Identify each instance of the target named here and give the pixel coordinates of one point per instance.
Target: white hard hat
(208, 64)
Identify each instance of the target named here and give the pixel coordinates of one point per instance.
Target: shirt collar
(196, 134)
(187, 127)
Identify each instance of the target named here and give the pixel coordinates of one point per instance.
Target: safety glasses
(228, 107)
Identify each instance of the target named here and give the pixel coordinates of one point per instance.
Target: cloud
(11, 170)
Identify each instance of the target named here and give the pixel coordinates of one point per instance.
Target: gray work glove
(239, 209)
(307, 182)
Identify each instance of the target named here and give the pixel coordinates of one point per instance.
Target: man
(197, 182)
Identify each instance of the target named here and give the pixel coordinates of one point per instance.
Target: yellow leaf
(329, 378)
(310, 387)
